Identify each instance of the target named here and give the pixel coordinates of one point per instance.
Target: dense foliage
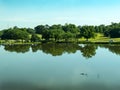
(60, 32)
(15, 33)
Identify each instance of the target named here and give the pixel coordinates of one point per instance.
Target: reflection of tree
(88, 50)
(113, 48)
(35, 48)
(53, 49)
(17, 48)
(56, 49)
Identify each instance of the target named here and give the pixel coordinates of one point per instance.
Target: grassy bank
(14, 42)
(99, 39)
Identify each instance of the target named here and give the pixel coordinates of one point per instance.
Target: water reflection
(56, 49)
(112, 48)
(87, 50)
(55, 73)
(17, 48)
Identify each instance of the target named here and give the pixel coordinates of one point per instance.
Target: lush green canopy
(59, 32)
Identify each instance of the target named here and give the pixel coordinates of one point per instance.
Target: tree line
(58, 32)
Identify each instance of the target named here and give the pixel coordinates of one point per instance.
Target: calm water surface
(60, 67)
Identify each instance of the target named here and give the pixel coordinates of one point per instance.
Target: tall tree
(70, 28)
(46, 34)
(87, 32)
(15, 34)
(35, 38)
(115, 33)
(57, 34)
(56, 26)
(40, 29)
(68, 35)
(30, 31)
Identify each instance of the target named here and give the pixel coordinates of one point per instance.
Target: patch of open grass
(100, 38)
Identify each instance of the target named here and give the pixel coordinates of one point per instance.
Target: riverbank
(19, 43)
(79, 42)
(99, 39)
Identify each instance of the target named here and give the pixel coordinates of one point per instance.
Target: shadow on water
(29, 86)
(54, 49)
(19, 86)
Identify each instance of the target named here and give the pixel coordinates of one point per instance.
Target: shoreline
(37, 43)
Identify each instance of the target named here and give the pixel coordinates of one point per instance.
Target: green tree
(35, 38)
(87, 32)
(57, 34)
(46, 35)
(67, 36)
(112, 30)
(71, 31)
(41, 28)
(70, 28)
(56, 26)
(101, 28)
(1, 33)
(114, 33)
(30, 31)
(15, 34)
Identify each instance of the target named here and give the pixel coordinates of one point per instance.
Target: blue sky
(30, 13)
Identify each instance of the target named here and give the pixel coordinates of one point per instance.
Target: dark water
(60, 67)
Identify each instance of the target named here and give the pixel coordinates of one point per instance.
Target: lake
(60, 67)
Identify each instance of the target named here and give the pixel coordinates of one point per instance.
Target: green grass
(16, 42)
(100, 38)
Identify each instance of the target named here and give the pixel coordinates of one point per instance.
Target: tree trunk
(87, 39)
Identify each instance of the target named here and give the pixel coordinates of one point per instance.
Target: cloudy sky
(30, 13)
